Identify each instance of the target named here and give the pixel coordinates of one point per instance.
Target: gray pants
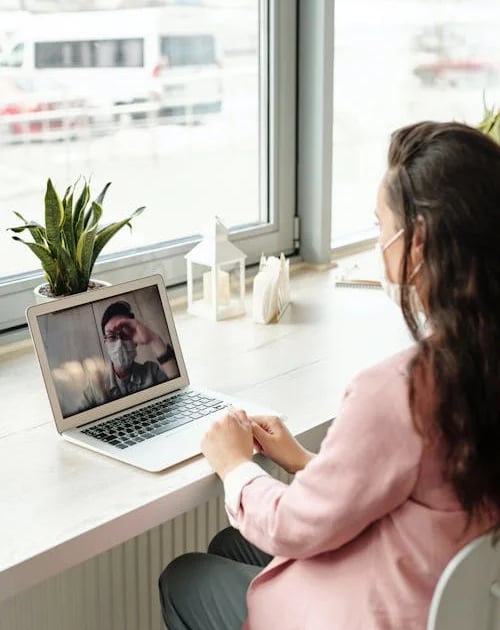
(207, 591)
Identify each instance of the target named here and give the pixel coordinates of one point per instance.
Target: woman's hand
(276, 442)
(228, 442)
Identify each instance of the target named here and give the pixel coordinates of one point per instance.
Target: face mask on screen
(122, 353)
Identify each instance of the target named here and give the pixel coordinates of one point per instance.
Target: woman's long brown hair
(448, 176)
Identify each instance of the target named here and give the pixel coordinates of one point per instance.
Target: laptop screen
(108, 349)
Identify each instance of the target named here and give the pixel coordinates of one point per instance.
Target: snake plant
(72, 238)
(490, 124)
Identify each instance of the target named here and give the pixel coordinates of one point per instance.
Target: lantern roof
(215, 247)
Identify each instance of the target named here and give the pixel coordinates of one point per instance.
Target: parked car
(454, 72)
(35, 107)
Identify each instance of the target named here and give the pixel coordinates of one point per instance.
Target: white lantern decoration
(218, 267)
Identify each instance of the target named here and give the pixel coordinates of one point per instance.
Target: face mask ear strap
(416, 269)
(393, 239)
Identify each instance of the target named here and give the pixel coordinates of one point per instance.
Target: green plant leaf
(107, 232)
(490, 125)
(93, 215)
(19, 229)
(69, 236)
(54, 217)
(36, 230)
(69, 271)
(45, 256)
(84, 253)
(20, 216)
(100, 197)
(66, 194)
(60, 285)
(79, 213)
(495, 129)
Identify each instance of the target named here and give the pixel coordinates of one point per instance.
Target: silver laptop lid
(85, 342)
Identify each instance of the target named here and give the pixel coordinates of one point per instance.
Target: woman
(409, 471)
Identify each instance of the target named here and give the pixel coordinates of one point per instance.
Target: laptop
(116, 378)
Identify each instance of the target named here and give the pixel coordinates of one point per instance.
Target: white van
(165, 56)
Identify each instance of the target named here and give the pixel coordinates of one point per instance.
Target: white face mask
(393, 289)
(122, 353)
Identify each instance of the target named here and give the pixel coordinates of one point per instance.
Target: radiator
(117, 590)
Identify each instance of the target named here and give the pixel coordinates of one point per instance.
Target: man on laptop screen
(122, 333)
(122, 356)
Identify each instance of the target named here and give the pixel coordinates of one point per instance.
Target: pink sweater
(363, 533)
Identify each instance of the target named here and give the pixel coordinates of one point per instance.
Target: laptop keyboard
(141, 424)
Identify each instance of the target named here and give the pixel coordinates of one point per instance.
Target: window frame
(316, 38)
(277, 159)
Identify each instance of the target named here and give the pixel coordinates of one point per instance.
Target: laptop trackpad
(170, 448)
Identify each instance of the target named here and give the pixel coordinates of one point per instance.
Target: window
(189, 50)
(187, 145)
(397, 63)
(111, 53)
(17, 56)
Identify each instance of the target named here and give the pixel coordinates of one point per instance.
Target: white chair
(467, 596)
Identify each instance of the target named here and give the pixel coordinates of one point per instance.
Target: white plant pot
(41, 298)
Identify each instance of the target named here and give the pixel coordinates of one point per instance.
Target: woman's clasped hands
(231, 441)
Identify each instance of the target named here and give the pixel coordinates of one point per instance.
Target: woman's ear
(418, 240)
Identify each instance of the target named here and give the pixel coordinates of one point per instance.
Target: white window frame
(316, 21)
(278, 169)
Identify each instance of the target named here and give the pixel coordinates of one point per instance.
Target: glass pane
(395, 63)
(162, 102)
(189, 50)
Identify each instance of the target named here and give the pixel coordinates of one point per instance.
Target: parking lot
(184, 170)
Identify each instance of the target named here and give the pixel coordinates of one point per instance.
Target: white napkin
(271, 289)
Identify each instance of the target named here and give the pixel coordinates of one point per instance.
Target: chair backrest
(467, 596)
